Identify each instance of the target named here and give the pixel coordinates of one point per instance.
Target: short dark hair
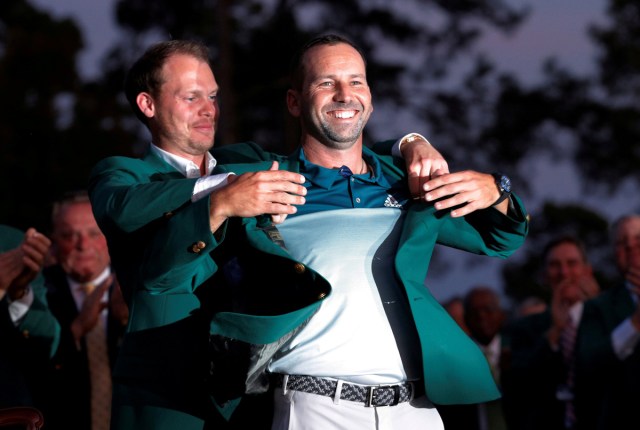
(296, 72)
(145, 75)
(560, 240)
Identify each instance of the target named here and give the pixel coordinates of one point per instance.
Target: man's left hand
(468, 189)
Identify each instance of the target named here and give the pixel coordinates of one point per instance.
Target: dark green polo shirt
(338, 188)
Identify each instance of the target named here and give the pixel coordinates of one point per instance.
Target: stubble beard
(341, 138)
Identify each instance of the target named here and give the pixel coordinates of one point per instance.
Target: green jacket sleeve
(144, 208)
(39, 330)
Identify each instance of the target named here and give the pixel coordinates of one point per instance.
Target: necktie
(99, 372)
(567, 345)
(490, 414)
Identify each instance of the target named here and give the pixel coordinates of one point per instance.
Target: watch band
(504, 186)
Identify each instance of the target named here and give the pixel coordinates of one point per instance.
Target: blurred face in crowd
(483, 315)
(334, 103)
(627, 245)
(567, 269)
(80, 246)
(184, 114)
(455, 308)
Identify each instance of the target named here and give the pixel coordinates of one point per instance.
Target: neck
(331, 158)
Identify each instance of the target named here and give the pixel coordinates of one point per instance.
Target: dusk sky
(555, 28)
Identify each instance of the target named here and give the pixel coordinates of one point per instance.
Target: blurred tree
(252, 42)
(37, 73)
(424, 67)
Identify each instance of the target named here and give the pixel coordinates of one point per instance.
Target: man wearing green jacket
(29, 333)
(379, 338)
(165, 217)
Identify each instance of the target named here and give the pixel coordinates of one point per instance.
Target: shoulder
(125, 168)
(243, 152)
(609, 298)
(531, 323)
(10, 237)
(118, 162)
(394, 166)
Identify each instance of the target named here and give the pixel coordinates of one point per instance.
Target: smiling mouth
(343, 114)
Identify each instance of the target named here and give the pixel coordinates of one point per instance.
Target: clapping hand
(21, 265)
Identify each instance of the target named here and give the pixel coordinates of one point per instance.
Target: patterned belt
(375, 395)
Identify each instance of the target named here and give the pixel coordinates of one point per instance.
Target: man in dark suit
(85, 298)
(485, 318)
(608, 347)
(538, 387)
(29, 333)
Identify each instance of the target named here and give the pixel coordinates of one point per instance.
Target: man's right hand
(21, 265)
(92, 307)
(272, 191)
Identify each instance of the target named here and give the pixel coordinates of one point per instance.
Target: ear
(293, 102)
(145, 104)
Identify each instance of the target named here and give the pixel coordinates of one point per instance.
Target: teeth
(344, 114)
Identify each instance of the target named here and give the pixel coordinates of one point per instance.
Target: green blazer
(455, 370)
(176, 277)
(166, 258)
(27, 348)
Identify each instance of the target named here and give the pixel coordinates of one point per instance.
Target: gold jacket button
(198, 246)
(25, 334)
(168, 214)
(299, 268)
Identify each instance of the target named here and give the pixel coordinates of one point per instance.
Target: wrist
(503, 183)
(411, 138)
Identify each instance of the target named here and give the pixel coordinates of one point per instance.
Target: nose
(343, 92)
(82, 241)
(209, 108)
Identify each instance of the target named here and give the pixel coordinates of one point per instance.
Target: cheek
(64, 250)
(634, 256)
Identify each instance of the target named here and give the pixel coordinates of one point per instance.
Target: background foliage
(54, 125)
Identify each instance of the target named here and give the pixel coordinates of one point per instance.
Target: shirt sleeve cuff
(207, 184)
(18, 308)
(396, 148)
(624, 339)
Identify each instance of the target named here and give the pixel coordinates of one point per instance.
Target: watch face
(505, 183)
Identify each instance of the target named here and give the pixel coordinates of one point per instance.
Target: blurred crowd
(63, 317)
(571, 363)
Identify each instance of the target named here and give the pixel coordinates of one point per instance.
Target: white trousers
(297, 410)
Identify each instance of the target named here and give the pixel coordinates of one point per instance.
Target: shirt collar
(75, 286)
(325, 178)
(575, 312)
(492, 349)
(187, 167)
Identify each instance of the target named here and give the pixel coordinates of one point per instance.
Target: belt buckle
(371, 395)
